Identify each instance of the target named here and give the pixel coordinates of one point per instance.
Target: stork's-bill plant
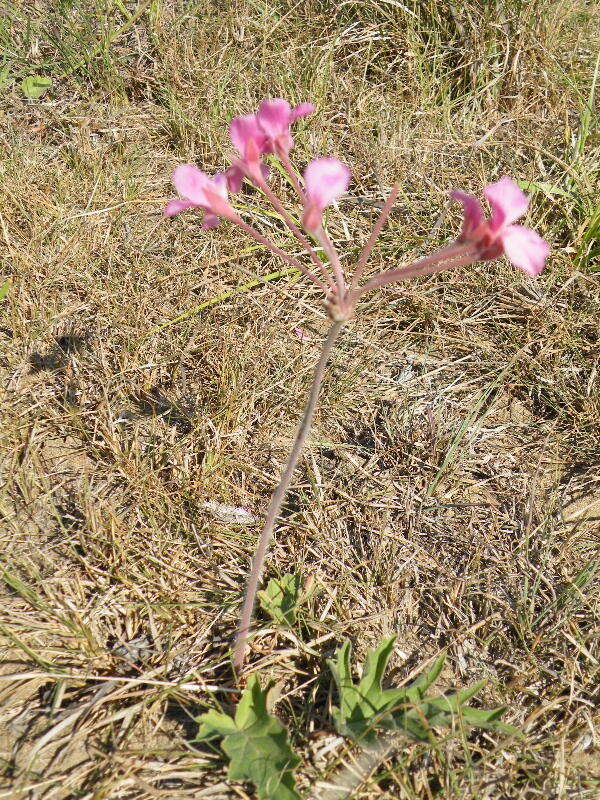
(325, 180)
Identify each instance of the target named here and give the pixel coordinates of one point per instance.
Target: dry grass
(450, 490)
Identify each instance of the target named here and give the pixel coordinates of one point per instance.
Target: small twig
(240, 646)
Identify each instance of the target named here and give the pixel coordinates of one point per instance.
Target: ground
(449, 493)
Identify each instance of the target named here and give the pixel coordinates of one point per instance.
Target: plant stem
(334, 260)
(285, 215)
(257, 236)
(367, 249)
(455, 255)
(240, 646)
(291, 172)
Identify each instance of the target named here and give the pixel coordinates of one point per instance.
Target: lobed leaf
(366, 707)
(281, 598)
(256, 744)
(35, 86)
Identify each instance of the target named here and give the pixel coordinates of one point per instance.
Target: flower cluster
(325, 180)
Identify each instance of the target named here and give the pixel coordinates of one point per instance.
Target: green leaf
(416, 690)
(256, 744)
(481, 718)
(35, 86)
(548, 189)
(364, 706)
(213, 724)
(4, 289)
(280, 599)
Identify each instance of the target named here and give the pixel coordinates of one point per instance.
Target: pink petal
(508, 203)
(326, 180)
(191, 183)
(219, 184)
(244, 129)
(235, 178)
(312, 218)
(210, 221)
(175, 206)
(303, 110)
(274, 117)
(525, 249)
(474, 215)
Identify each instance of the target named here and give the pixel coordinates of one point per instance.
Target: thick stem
(368, 248)
(455, 255)
(281, 253)
(240, 646)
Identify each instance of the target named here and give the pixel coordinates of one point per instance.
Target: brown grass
(450, 491)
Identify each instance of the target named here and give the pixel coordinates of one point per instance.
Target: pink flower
(246, 130)
(275, 117)
(198, 190)
(326, 179)
(256, 135)
(301, 334)
(498, 235)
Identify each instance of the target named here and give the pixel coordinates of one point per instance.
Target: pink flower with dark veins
(197, 190)
(498, 235)
(263, 133)
(326, 180)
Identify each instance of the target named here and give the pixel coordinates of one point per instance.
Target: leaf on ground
(5, 78)
(366, 707)
(35, 86)
(363, 706)
(280, 599)
(256, 744)
(4, 289)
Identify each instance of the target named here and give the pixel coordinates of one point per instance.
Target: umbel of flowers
(268, 132)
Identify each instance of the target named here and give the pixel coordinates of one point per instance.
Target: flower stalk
(240, 646)
(325, 180)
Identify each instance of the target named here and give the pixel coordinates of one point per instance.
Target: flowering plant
(324, 181)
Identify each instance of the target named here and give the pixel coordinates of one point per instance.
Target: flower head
(198, 190)
(523, 247)
(326, 179)
(256, 135)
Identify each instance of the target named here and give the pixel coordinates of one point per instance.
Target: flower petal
(210, 221)
(508, 203)
(235, 178)
(525, 249)
(219, 184)
(274, 117)
(176, 206)
(474, 215)
(191, 184)
(244, 129)
(326, 180)
(303, 110)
